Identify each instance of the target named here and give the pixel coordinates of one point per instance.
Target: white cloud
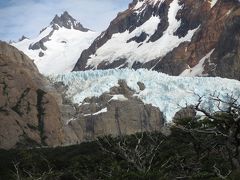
(28, 17)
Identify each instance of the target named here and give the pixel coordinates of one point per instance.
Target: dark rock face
(218, 30)
(40, 43)
(41, 54)
(142, 37)
(22, 38)
(29, 114)
(227, 52)
(188, 112)
(118, 63)
(67, 21)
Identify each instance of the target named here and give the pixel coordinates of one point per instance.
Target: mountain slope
(58, 46)
(170, 36)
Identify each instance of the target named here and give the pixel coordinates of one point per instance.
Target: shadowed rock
(67, 21)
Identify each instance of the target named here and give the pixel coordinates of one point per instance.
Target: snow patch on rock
(118, 97)
(138, 5)
(213, 2)
(198, 69)
(104, 110)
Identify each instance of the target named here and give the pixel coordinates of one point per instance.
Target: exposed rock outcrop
(117, 113)
(187, 112)
(226, 56)
(67, 21)
(29, 115)
(22, 38)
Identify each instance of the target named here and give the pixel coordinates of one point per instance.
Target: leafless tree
(137, 150)
(16, 173)
(21, 173)
(221, 130)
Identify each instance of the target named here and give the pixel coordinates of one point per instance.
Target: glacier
(168, 93)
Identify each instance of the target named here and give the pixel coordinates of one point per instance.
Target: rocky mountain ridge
(170, 36)
(67, 21)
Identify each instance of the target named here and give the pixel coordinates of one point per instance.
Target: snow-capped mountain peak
(22, 38)
(58, 46)
(67, 21)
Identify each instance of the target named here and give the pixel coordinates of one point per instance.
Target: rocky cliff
(29, 115)
(117, 112)
(193, 38)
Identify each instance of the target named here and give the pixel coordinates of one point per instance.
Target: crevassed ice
(168, 93)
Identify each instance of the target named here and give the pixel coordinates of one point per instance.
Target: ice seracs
(168, 93)
(57, 48)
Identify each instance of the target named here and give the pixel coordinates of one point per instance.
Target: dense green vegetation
(197, 148)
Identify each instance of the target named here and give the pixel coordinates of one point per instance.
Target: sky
(28, 17)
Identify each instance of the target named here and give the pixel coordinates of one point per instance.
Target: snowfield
(63, 49)
(168, 93)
